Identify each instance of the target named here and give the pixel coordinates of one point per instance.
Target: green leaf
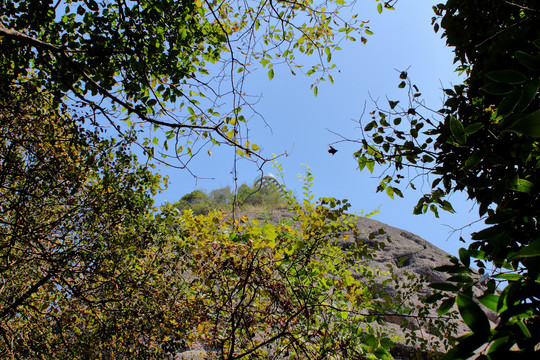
(316, 91)
(447, 206)
(524, 329)
(529, 92)
(490, 301)
(521, 185)
(510, 277)
(390, 191)
(453, 269)
(444, 286)
(433, 298)
(464, 257)
(531, 250)
(477, 254)
(362, 160)
(458, 131)
(527, 125)
(507, 76)
(472, 314)
(271, 74)
(529, 61)
(509, 103)
(468, 343)
(460, 279)
(471, 129)
(497, 88)
(379, 8)
(475, 158)
(328, 54)
(445, 306)
(370, 164)
(368, 32)
(386, 343)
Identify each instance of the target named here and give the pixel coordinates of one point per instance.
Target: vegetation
(126, 282)
(166, 65)
(292, 289)
(74, 226)
(90, 269)
(484, 142)
(258, 198)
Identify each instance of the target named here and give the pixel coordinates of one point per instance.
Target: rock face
(412, 253)
(404, 251)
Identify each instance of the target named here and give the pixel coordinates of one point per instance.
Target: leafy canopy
(74, 214)
(248, 198)
(175, 67)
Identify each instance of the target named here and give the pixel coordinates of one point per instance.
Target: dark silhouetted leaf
(472, 314)
(528, 125)
(527, 60)
(529, 92)
(498, 88)
(458, 130)
(464, 257)
(444, 286)
(445, 306)
(509, 103)
(507, 76)
(475, 158)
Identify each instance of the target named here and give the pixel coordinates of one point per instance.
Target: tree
(268, 197)
(169, 64)
(74, 213)
(196, 200)
(484, 142)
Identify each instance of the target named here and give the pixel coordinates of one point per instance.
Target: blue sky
(296, 122)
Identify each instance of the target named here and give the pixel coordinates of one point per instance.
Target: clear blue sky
(298, 121)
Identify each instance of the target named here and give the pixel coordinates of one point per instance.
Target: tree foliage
(94, 272)
(290, 289)
(268, 197)
(170, 65)
(74, 209)
(484, 142)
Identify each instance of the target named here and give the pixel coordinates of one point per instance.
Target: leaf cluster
(74, 213)
(483, 142)
(175, 68)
